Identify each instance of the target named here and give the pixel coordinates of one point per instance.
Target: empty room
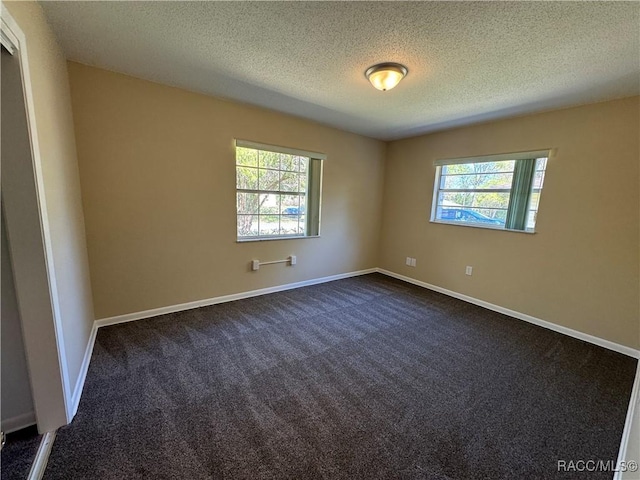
(320, 240)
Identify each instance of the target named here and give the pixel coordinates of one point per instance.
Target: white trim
(13, 31)
(129, 317)
(84, 368)
(6, 43)
(18, 422)
(42, 456)
(616, 347)
(628, 426)
(8, 40)
(278, 149)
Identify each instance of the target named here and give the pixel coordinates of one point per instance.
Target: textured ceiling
(468, 61)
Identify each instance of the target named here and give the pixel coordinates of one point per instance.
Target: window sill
(266, 239)
(485, 227)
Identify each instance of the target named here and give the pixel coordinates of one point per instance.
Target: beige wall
(580, 269)
(55, 134)
(157, 172)
(158, 184)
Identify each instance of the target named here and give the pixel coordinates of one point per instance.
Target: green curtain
(520, 194)
(313, 197)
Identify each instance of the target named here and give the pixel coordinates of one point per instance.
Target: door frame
(48, 411)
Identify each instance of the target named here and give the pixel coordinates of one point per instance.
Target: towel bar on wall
(255, 264)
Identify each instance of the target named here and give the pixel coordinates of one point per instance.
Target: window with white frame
(495, 191)
(277, 192)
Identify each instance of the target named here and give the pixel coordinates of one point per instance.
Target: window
(497, 191)
(277, 192)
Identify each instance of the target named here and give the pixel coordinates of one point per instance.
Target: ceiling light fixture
(385, 76)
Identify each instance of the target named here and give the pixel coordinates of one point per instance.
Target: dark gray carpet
(362, 378)
(19, 453)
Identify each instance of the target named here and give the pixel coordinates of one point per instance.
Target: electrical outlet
(293, 259)
(468, 270)
(413, 262)
(408, 261)
(255, 265)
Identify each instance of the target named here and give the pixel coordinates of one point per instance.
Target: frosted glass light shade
(385, 76)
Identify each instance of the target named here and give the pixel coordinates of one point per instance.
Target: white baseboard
(631, 352)
(84, 368)
(629, 427)
(103, 322)
(42, 456)
(19, 422)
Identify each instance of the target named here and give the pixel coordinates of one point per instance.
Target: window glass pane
(246, 156)
(269, 225)
(491, 200)
(297, 161)
(247, 203)
(498, 214)
(531, 219)
(479, 168)
(538, 179)
(304, 183)
(269, 180)
(473, 207)
(289, 163)
(532, 214)
(290, 205)
(534, 201)
(247, 225)
(541, 164)
(474, 199)
(269, 203)
(289, 181)
(302, 225)
(477, 181)
(304, 164)
(486, 217)
(289, 225)
(457, 169)
(269, 160)
(247, 178)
